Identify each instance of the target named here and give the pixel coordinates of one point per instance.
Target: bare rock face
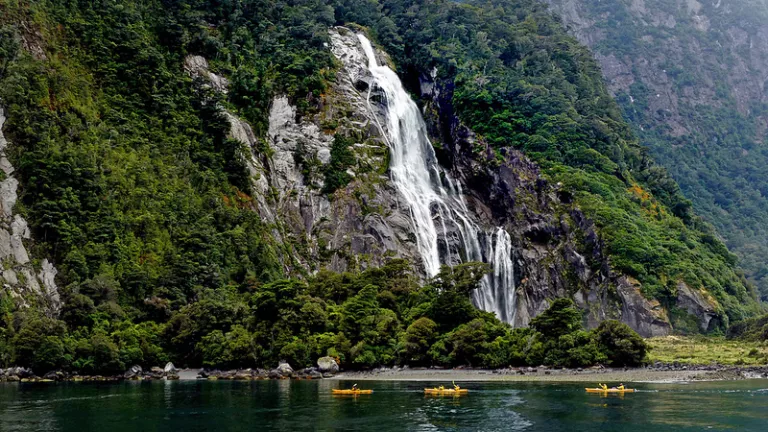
(647, 317)
(197, 67)
(699, 304)
(19, 276)
(358, 225)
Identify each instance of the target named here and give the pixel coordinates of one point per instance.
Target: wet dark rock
(55, 376)
(242, 375)
(544, 224)
(133, 372)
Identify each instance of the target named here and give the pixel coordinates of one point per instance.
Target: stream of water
(446, 231)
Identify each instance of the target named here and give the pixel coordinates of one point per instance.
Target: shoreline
(656, 373)
(560, 375)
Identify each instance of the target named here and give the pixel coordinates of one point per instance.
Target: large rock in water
(170, 368)
(327, 365)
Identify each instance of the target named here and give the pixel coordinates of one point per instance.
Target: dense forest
(690, 78)
(131, 185)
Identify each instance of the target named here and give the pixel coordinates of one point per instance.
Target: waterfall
(435, 201)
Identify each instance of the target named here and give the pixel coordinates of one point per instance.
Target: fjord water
(394, 406)
(435, 200)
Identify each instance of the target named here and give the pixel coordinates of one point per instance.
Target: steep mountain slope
(691, 77)
(178, 160)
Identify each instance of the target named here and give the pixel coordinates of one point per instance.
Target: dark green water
(395, 406)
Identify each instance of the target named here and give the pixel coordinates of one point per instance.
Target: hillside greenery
(378, 317)
(711, 134)
(521, 82)
(133, 189)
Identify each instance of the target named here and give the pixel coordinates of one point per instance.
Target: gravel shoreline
(662, 373)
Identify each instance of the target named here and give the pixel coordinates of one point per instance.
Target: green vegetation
(710, 131)
(752, 329)
(520, 82)
(132, 188)
(377, 317)
(702, 350)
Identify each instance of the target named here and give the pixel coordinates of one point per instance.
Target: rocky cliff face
(356, 226)
(557, 252)
(691, 77)
(25, 278)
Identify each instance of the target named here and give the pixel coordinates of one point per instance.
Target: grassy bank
(706, 350)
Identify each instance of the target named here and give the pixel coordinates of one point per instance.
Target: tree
(559, 319)
(621, 345)
(38, 344)
(418, 337)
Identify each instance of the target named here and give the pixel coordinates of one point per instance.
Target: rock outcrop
(358, 225)
(700, 305)
(558, 252)
(284, 369)
(20, 276)
(327, 365)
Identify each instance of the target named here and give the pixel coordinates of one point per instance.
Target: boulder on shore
(133, 372)
(327, 365)
(284, 369)
(170, 369)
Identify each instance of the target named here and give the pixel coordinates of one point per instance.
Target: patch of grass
(707, 350)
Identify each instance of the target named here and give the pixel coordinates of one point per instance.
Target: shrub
(39, 345)
(418, 337)
(561, 318)
(621, 345)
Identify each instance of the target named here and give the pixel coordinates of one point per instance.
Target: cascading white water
(435, 200)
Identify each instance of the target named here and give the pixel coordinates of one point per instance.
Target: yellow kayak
(612, 390)
(350, 392)
(448, 391)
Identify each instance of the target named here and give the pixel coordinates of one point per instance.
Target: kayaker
(603, 386)
(354, 387)
(621, 386)
(442, 388)
(455, 387)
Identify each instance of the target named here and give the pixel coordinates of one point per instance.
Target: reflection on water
(309, 405)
